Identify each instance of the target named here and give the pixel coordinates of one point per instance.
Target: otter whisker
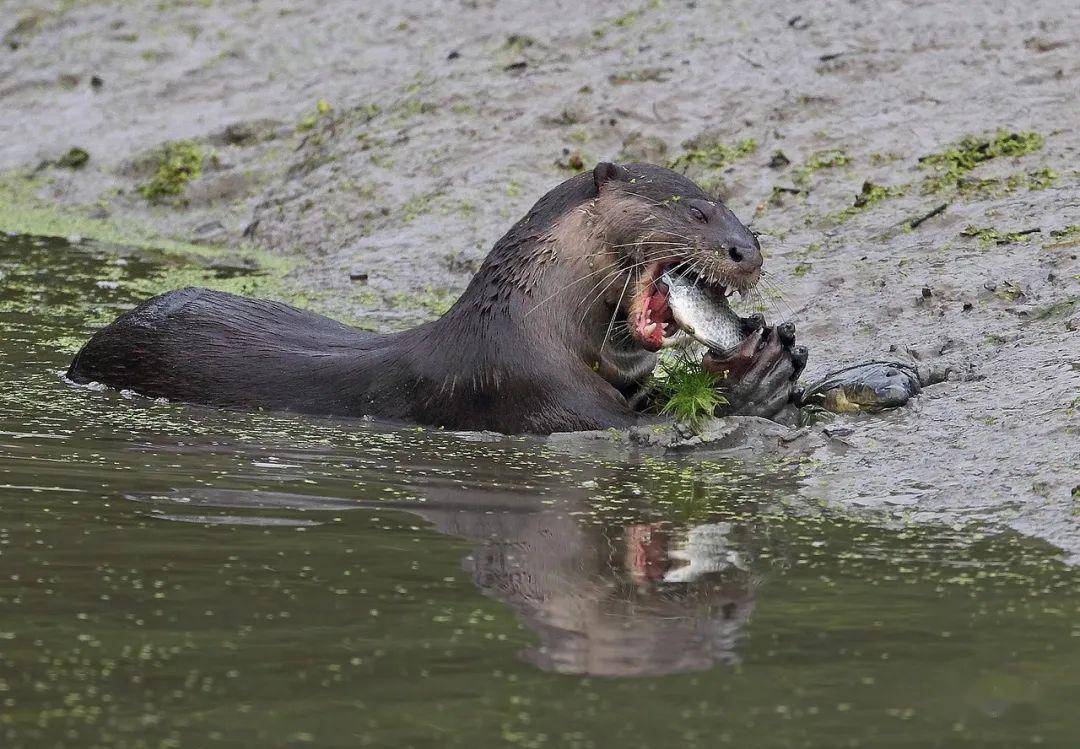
(564, 288)
(593, 273)
(769, 291)
(615, 312)
(592, 298)
(770, 285)
(647, 199)
(588, 298)
(650, 242)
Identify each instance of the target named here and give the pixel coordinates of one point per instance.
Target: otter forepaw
(759, 377)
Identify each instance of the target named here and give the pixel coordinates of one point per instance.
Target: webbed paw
(759, 377)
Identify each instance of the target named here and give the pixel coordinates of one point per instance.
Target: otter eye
(696, 213)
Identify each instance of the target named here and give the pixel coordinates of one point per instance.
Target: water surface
(178, 576)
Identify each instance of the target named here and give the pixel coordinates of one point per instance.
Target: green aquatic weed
(686, 391)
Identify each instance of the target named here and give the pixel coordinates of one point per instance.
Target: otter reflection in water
(625, 598)
(557, 331)
(645, 599)
(604, 597)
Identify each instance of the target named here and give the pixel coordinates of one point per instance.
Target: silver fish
(703, 313)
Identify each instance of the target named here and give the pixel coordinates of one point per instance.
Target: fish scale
(703, 313)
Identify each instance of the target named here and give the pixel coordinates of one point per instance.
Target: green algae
(1057, 309)
(988, 235)
(869, 195)
(244, 270)
(952, 164)
(626, 19)
(1068, 236)
(1038, 179)
(75, 158)
(323, 109)
(432, 302)
(419, 205)
(827, 159)
(708, 152)
(177, 163)
(1072, 230)
(22, 213)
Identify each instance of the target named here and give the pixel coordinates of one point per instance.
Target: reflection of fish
(703, 312)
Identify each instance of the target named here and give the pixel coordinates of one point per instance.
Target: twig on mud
(748, 61)
(1023, 232)
(926, 217)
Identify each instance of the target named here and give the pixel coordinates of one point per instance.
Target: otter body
(544, 338)
(202, 346)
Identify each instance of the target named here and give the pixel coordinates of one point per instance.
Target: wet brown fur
(528, 347)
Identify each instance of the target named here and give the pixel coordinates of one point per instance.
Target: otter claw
(786, 331)
(760, 375)
(754, 322)
(799, 357)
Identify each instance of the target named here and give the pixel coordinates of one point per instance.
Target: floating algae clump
(953, 163)
(178, 163)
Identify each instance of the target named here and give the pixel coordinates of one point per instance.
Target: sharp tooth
(650, 329)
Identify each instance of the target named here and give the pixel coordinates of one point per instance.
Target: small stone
(208, 229)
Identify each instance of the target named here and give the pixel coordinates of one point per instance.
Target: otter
(558, 330)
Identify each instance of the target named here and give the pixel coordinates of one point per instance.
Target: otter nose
(747, 256)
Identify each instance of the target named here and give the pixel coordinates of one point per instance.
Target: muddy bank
(912, 170)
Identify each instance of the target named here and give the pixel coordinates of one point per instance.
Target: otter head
(653, 220)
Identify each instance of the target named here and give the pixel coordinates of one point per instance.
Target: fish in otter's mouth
(670, 301)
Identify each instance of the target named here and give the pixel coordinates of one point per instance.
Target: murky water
(173, 576)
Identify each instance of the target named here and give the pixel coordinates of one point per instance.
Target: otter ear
(605, 171)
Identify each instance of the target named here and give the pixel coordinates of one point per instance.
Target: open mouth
(652, 319)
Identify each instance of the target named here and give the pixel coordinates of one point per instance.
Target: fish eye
(698, 214)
